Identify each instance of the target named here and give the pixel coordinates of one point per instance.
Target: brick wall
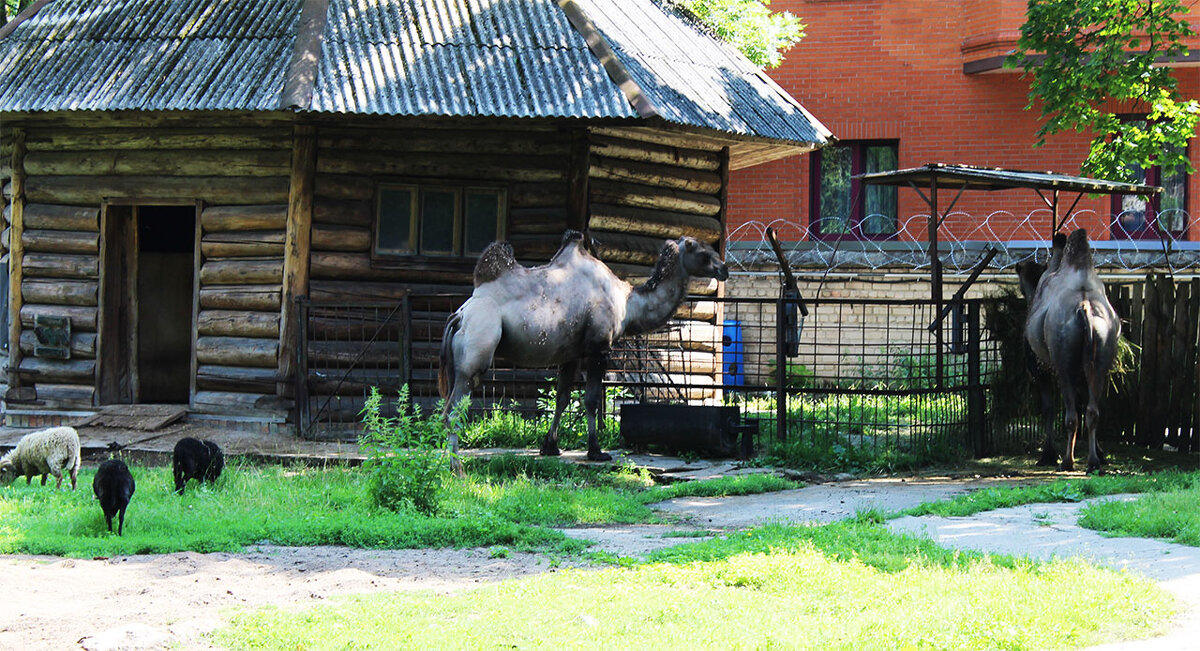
(879, 69)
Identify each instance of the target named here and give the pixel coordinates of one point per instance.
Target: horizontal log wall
(239, 172)
(640, 194)
(241, 271)
(531, 164)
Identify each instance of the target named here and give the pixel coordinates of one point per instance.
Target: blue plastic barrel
(733, 373)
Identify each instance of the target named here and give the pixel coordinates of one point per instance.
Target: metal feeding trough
(694, 428)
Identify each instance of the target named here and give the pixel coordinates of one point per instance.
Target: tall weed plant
(406, 458)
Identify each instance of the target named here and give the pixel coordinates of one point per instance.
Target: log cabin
(181, 175)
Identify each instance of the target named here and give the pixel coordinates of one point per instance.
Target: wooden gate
(1157, 403)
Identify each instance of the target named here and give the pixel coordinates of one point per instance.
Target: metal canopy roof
(970, 177)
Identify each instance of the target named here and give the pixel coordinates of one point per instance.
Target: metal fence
(860, 373)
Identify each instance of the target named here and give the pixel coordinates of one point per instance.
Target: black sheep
(196, 459)
(114, 486)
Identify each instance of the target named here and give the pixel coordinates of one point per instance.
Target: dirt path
(172, 599)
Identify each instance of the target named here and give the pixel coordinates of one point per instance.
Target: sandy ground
(173, 599)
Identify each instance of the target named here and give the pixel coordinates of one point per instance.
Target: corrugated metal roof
(501, 58)
(972, 177)
(693, 78)
(509, 58)
(161, 55)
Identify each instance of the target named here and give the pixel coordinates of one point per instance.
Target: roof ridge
(301, 78)
(607, 58)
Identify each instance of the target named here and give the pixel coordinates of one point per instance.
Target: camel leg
(1091, 421)
(562, 398)
(593, 393)
(474, 346)
(1072, 420)
(1045, 390)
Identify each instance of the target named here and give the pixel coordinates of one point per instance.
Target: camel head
(1029, 273)
(700, 260)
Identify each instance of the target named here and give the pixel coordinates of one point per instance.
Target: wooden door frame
(118, 300)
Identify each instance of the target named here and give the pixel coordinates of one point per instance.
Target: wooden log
(537, 220)
(55, 371)
(538, 195)
(234, 323)
(349, 213)
(697, 311)
(241, 297)
(335, 291)
(223, 402)
(197, 162)
(177, 139)
(218, 219)
(343, 188)
(428, 141)
(691, 335)
(345, 382)
(665, 361)
(654, 223)
(664, 176)
(328, 237)
(62, 218)
(45, 241)
(66, 395)
(358, 353)
(482, 167)
(83, 344)
(61, 266)
(82, 318)
(92, 190)
(635, 249)
(642, 196)
(237, 351)
(235, 378)
(385, 323)
(250, 271)
(60, 292)
(329, 265)
(243, 244)
(645, 152)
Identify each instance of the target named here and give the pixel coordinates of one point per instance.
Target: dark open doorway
(145, 348)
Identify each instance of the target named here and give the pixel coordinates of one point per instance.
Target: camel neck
(651, 304)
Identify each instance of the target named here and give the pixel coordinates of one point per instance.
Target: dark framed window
(437, 219)
(843, 206)
(1136, 218)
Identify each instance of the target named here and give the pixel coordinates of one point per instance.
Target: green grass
(844, 586)
(1067, 490)
(505, 501)
(1170, 514)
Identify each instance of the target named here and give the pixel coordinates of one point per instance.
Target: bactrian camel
(567, 313)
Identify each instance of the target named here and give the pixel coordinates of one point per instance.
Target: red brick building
(901, 84)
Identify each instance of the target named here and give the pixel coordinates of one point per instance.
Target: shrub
(406, 460)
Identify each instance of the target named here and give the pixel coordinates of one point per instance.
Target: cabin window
(844, 207)
(437, 220)
(1136, 218)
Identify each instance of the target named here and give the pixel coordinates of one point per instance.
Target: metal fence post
(780, 368)
(976, 399)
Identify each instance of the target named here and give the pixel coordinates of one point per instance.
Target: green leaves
(405, 456)
(750, 26)
(1086, 56)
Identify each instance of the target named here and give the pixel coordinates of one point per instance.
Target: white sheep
(45, 452)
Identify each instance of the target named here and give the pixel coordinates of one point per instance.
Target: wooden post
(15, 258)
(297, 248)
(197, 260)
(577, 181)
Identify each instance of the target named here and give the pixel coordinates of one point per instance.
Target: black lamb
(114, 487)
(196, 459)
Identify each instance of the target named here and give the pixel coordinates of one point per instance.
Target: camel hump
(1078, 253)
(495, 261)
